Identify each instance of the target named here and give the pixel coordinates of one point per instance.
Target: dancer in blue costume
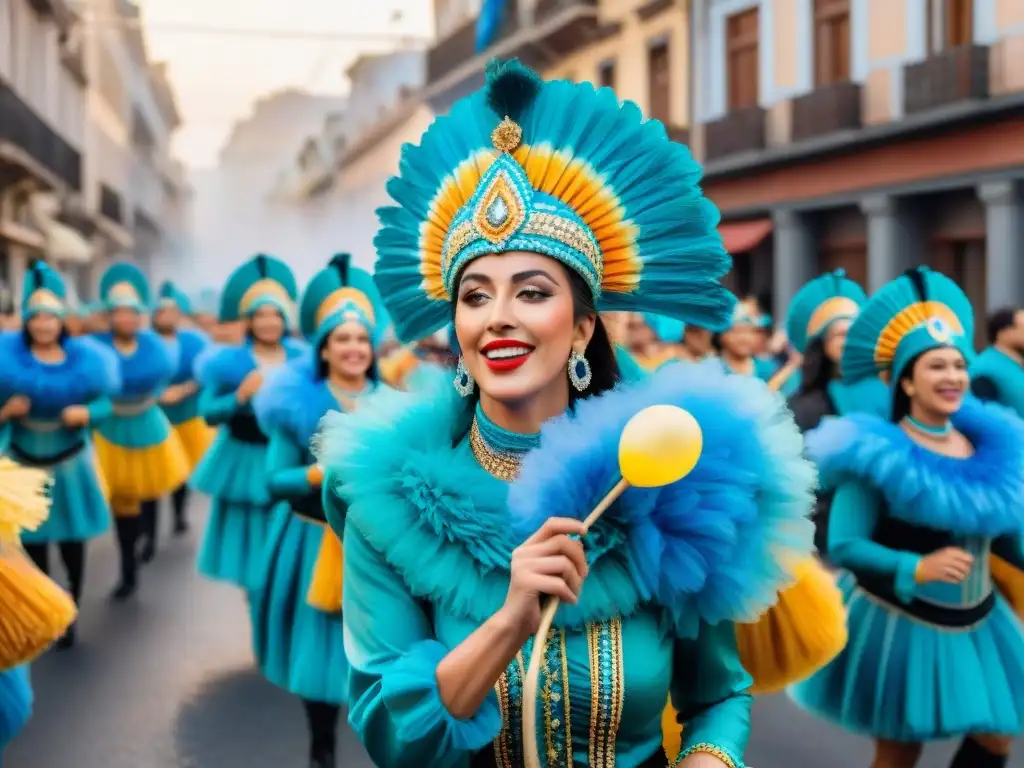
(920, 501)
(141, 456)
(261, 293)
(54, 389)
(998, 372)
(737, 345)
(297, 623)
(528, 208)
(817, 322)
(180, 402)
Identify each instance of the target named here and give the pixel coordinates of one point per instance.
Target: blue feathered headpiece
(171, 296)
(667, 329)
(124, 285)
(260, 281)
(206, 301)
(341, 293)
(43, 291)
(560, 169)
(820, 303)
(715, 546)
(918, 311)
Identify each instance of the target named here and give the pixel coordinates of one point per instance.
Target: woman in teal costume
(262, 292)
(737, 344)
(54, 388)
(297, 627)
(439, 602)
(998, 372)
(817, 322)
(921, 499)
(141, 457)
(15, 704)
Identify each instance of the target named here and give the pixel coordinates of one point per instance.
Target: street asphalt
(167, 681)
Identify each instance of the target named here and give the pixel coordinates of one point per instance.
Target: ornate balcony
(825, 110)
(952, 76)
(22, 127)
(742, 130)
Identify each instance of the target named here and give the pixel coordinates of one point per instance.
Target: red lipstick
(504, 355)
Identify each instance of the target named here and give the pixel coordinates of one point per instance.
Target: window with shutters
(831, 41)
(742, 32)
(659, 82)
(606, 75)
(959, 22)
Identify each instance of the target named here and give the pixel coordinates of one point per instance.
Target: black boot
(149, 525)
(73, 555)
(972, 755)
(127, 541)
(179, 500)
(323, 722)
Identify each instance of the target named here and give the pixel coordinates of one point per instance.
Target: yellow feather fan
(34, 611)
(795, 638)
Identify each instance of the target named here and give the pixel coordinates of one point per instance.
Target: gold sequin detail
(707, 749)
(604, 641)
(507, 136)
(510, 701)
(567, 232)
(504, 466)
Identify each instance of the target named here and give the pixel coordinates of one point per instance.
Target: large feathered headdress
(555, 168)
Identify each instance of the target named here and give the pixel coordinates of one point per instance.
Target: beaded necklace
(498, 450)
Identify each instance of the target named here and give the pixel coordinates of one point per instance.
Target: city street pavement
(167, 681)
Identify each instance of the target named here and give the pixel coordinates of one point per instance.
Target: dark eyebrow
(522, 277)
(480, 278)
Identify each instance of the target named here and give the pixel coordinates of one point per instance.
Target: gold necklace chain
(504, 466)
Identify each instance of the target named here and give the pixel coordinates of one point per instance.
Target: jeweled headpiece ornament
(918, 311)
(555, 168)
(338, 294)
(820, 303)
(260, 281)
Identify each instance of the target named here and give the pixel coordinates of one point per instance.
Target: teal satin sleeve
(99, 409)
(334, 507)
(709, 690)
(217, 407)
(852, 520)
(286, 474)
(1011, 549)
(394, 704)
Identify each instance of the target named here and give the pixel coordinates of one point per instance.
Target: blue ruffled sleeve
(854, 514)
(709, 690)
(394, 704)
(286, 474)
(217, 407)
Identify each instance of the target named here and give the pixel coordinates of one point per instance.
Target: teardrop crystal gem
(497, 212)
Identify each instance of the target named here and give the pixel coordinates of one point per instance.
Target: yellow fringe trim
(671, 732)
(196, 437)
(24, 505)
(35, 610)
(325, 589)
(1010, 583)
(142, 474)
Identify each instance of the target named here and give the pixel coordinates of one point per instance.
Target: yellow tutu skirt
(795, 638)
(36, 612)
(142, 474)
(1010, 583)
(196, 436)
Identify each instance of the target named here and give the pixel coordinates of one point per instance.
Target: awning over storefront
(63, 244)
(740, 236)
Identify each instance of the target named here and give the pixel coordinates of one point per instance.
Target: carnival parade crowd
(540, 490)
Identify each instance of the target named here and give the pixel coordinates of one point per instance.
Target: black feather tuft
(511, 87)
(916, 276)
(341, 263)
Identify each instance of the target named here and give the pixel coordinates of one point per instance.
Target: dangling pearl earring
(579, 371)
(464, 382)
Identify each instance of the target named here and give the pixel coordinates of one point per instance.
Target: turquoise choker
(942, 431)
(498, 450)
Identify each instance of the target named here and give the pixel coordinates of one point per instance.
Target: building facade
(871, 135)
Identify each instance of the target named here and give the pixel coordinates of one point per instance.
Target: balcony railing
(110, 204)
(742, 130)
(952, 76)
(22, 127)
(825, 110)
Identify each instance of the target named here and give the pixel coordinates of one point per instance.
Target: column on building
(894, 239)
(796, 259)
(1004, 242)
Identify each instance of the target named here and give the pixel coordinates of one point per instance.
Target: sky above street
(224, 54)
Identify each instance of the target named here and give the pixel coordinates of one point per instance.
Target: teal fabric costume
(934, 660)
(564, 171)
(234, 470)
(15, 704)
(190, 344)
(88, 375)
(299, 647)
(1003, 375)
